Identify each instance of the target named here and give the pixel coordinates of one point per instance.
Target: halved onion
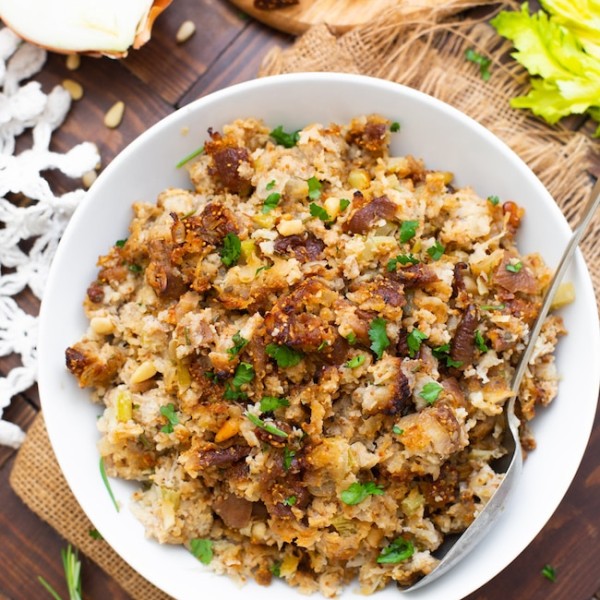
(108, 27)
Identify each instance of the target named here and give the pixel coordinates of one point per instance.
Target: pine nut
(102, 325)
(144, 372)
(75, 90)
(185, 32)
(114, 115)
(88, 178)
(73, 61)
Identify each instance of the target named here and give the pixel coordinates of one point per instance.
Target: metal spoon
(455, 548)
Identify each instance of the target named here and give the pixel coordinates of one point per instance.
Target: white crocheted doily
(29, 228)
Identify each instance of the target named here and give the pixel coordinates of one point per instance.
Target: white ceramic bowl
(447, 140)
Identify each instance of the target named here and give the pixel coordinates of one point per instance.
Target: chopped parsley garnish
(430, 392)
(288, 140)
(202, 549)
(135, 268)
(107, 484)
(271, 201)
(232, 250)
(403, 259)
(95, 534)
(356, 361)
(351, 337)
(413, 341)
(285, 356)
(357, 492)
(288, 456)
(408, 230)
(270, 185)
(397, 430)
(270, 403)
(72, 569)
(268, 427)
(314, 188)
(263, 268)
(238, 345)
(275, 569)
(443, 353)
(398, 551)
(189, 157)
(290, 501)
(480, 60)
(480, 342)
(395, 127)
(120, 243)
(319, 211)
(169, 413)
(344, 204)
(493, 200)
(436, 251)
(244, 373)
(514, 268)
(210, 375)
(378, 335)
(492, 307)
(549, 572)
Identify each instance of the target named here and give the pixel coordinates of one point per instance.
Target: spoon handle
(586, 216)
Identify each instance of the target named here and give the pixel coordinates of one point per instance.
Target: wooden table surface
(228, 48)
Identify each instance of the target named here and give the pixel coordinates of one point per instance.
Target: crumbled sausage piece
(365, 213)
(462, 347)
(303, 247)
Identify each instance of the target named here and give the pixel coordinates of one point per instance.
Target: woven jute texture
(426, 54)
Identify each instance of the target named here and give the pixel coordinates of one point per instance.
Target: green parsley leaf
(395, 127)
(135, 268)
(323, 345)
(398, 551)
(314, 188)
(356, 361)
(107, 484)
(189, 157)
(492, 307)
(232, 250)
(351, 337)
(408, 230)
(285, 356)
(263, 268)
(270, 403)
(403, 259)
(238, 345)
(244, 373)
(413, 341)
(271, 201)
(288, 456)
(443, 353)
(210, 375)
(549, 572)
(397, 430)
(290, 501)
(287, 140)
(268, 427)
(357, 492)
(275, 569)
(493, 200)
(121, 243)
(430, 392)
(436, 251)
(169, 413)
(232, 393)
(514, 268)
(202, 549)
(483, 62)
(270, 185)
(319, 211)
(344, 204)
(95, 534)
(480, 342)
(378, 335)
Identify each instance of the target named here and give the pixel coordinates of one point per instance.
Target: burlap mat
(422, 54)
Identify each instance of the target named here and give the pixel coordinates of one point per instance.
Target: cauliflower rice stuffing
(305, 359)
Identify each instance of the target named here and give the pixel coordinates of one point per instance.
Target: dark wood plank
(30, 548)
(170, 68)
(570, 542)
(240, 62)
